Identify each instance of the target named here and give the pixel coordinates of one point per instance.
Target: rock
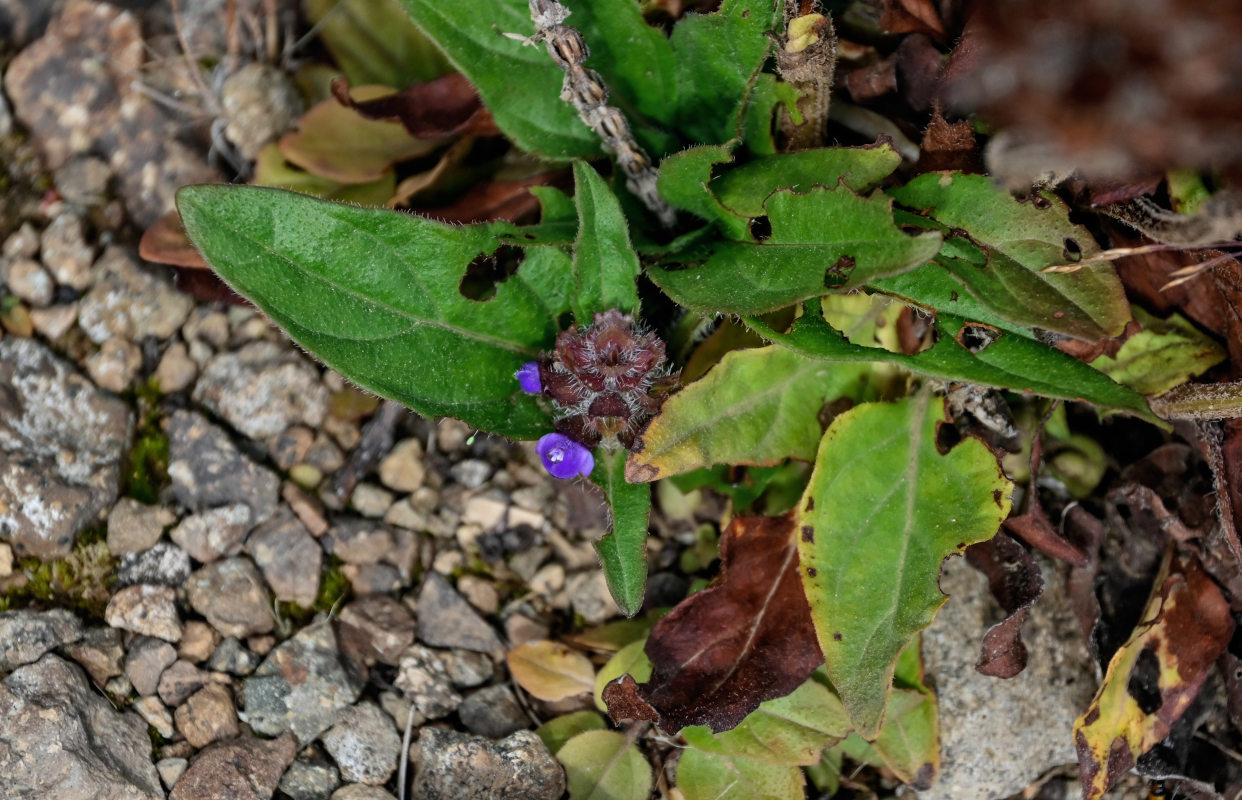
(423, 678)
(466, 668)
(231, 595)
(289, 447)
(308, 779)
(198, 642)
(306, 508)
(381, 627)
(479, 593)
(214, 533)
(65, 251)
(370, 500)
(133, 526)
(493, 712)
(63, 740)
(6, 560)
(171, 770)
(446, 620)
(238, 769)
(369, 579)
(588, 592)
(359, 541)
(290, 558)
(128, 302)
(74, 90)
(402, 469)
(21, 243)
(99, 652)
(208, 716)
(360, 791)
(83, 181)
(176, 370)
(471, 472)
(21, 22)
(61, 444)
(155, 713)
(179, 681)
(115, 365)
(165, 564)
(28, 280)
(454, 765)
(260, 103)
(364, 744)
(300, 686)
(146, 661)
(208, 471)
(262, 389)
(26, 635)
(994, 739)
(231, 656)
(146, 609)
(54, 321)
(485, 511)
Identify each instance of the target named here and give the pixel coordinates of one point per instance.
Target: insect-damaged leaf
(375, 294)
(755, 407)
(1155, 676)
(884, 507)
(746, 638)
(802, 258)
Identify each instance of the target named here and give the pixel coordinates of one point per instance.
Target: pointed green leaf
(755, 407)
(558, 730)
(803, 258)
(604, 765)
(683, 182)
(789, 731)
(373, 41)
(605, 266)
(1162, 355)
(375, 295)
(1017, 240)
(711, 776)
(884, 507)
(623, 552)
(1011, 362)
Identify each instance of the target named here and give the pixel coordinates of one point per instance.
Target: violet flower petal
(563, 457)
(528, 378)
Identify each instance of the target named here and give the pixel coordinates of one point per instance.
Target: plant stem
(1200, 401)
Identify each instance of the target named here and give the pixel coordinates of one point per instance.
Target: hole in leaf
(1039, 201)
(839, 272)
(1144, 684)
(1072, 251)
(947, 437)
(489, 270)
(761, 228)
(976, 337)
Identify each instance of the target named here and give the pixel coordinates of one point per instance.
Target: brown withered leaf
(919, 63)
(446, 106)
(1155, 676)
(949, 146)
(745, 639)
(1016, 582)
(165, 242)
(911, 16)
(492, 200)
(1033, 526)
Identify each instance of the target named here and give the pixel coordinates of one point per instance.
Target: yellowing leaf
(714, 776)
(550, 670)
(604, 765)
(1162, 355)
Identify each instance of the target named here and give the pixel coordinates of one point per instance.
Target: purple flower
(528, 377)
(563, 457)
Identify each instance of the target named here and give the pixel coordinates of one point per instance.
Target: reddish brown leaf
(165, 242)
(1016, 583)
(949, 147)
(1033, 526)
(492, 200)
(872, 80)
(745, 639)
(446, 106)
(911, 16)
(919, 63)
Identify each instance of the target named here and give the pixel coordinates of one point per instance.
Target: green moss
(81, 581)
(333, 585)
(146, 468)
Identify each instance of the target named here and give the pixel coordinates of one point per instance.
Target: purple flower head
(563, 457)
(528, 377)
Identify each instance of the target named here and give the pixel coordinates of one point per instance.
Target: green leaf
(909, 739)
(755, 407)
(683, 182)
(1162, 355)
(373, 41)
(745, 190)
(631, 659)
(803, 257)
(1011, 362)
(789, 731)
(1012, 242)
(272, 170)
(604, 765)
(558, 730)
(605, 266)
(766, 94)
(623, 552)
(374, 294)
(520, 85)
(884, 507)
(711, 776)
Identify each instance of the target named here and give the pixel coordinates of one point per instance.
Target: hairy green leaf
(713, 776)
(683, 182)
(884, 507)
(803, 257)
(375, 295)
(755, 407)
(604, 765)
(623, 552)
(1004, 246)
(605, 266)
(1010, 362)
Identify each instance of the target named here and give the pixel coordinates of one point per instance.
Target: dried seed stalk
(585, 91)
